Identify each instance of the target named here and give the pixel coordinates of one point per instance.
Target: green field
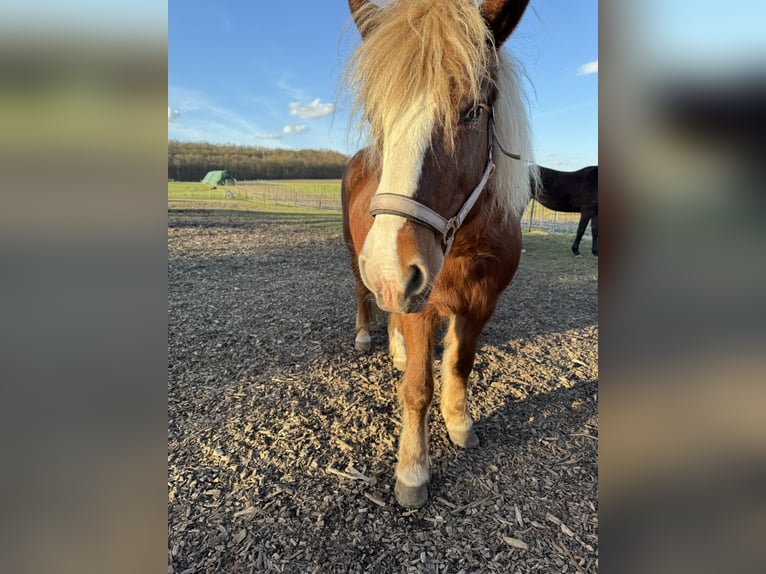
(324, 194)
(189, 190)
(313, 194)
(308, 185)
(184, 195)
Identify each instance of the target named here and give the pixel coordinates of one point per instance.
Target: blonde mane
(512, 177)
(415, 50)
(431, 50)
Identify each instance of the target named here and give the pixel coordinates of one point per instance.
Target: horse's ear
(502, 16)
(363, 12)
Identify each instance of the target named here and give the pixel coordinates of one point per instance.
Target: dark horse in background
(572, 192)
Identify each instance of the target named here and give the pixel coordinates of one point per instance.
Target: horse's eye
(471, 115)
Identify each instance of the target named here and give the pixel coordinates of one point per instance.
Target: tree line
(188, 161)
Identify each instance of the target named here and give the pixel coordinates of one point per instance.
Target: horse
(572, 191)
(431, 209)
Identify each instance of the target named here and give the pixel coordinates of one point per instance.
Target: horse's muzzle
(394, 296)
(402, 304)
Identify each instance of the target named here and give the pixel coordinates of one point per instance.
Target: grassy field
(202, 198)
(315, 194)
(551, 253)
(191, 190)
(305, 185)
(324, 195)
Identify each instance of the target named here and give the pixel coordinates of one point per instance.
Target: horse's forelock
(431, 50)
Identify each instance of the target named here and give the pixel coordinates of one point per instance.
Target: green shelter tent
(219, 177)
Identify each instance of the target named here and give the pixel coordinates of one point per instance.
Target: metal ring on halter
(448, 236)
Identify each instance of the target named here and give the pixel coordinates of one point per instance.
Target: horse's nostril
(416, 281)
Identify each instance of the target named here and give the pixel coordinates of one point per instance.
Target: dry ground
(282, 439)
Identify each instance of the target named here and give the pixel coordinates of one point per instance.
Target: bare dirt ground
(282, 439)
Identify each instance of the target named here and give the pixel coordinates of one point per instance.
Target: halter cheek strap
(403, 206)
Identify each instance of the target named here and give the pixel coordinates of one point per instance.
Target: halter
(403, 206)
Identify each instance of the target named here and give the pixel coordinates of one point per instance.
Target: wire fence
(310, 194)
(537, 216)
(320, 195)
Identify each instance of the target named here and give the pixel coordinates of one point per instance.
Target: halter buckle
(449, 232)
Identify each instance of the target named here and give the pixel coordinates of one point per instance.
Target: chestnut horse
(431, 208)
(572, 192)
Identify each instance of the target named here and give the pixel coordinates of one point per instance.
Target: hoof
(362, 342)
(362, 346)
(577, 255)
(464, 438)
(411, 496)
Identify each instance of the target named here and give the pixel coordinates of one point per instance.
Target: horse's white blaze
(379, 255)
(406, 140)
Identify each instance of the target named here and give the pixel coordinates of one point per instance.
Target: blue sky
(267, 73)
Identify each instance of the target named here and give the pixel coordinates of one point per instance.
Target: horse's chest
(467, 283)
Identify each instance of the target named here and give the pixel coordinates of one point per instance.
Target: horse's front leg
(396, 346)
(594, 233)
(459, 354)
(364, 310)
(584, 218)
(415, 394)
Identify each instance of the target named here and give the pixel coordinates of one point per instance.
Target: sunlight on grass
(321, 195)
(230, 198)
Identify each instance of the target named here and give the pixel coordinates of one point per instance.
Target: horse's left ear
(502, 16)
(364, 13)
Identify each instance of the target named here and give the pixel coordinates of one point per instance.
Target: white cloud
(315, 109)
(294, 130)
(589, 68)
(172, 114)
(268, 136)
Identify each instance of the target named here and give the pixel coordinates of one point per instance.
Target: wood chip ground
(282, 439)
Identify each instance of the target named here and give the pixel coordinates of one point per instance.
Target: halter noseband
(403, 206)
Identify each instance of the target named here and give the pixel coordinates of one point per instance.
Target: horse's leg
(396, 342)
(594, 234)
(364, 310)
(459, 353)
(584, 217)
(415, 394)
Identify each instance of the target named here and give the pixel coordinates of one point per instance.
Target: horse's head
(426, 80)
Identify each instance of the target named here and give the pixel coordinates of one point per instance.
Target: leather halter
(403, 206)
